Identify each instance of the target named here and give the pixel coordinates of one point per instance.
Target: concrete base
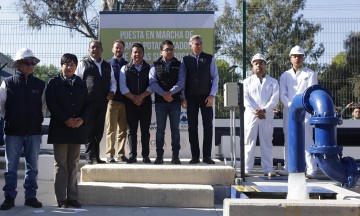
(147, 195)
(280, 207)
(218, 174)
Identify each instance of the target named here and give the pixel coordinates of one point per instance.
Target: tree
(273, 28)
(81, 15)
(227, 73)
(343, 74)
(46, 73)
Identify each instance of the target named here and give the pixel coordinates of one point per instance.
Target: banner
(150, 29)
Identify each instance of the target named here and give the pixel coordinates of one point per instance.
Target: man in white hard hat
(21, 104)
(261, 95)
(293, 82)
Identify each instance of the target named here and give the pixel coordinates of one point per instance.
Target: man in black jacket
(167, 83)
(134, 84)
(101, 84)
(200, 89)
(21, 102)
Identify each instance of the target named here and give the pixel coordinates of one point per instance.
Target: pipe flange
(325, 120)
(333, 150)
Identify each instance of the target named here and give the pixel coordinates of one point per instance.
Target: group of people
(87, 94)
(261, 95)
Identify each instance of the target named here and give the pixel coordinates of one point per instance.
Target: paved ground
(47, 197)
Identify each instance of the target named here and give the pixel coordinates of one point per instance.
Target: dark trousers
(134, 115)
(194, 103)
(95, 127)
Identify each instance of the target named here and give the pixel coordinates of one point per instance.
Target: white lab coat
(292, 84)
(259, 96)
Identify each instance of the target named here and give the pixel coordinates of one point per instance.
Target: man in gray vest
(201, 85)
(101, 84)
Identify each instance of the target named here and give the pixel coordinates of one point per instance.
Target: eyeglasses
(28, 63)
(69, 65)
(169, 50)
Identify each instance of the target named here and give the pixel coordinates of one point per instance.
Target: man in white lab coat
(293, 82)
(261, 95)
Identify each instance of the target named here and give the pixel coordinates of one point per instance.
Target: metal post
(241, 98)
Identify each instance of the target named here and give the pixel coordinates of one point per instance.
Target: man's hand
(184, 103)
(110, 95)
(209, 101)
(168, 97)
(260, 113)
(70, 122)
(78, 122)
(138, 100)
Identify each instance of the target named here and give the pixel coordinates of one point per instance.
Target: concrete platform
(204, 174)
(140, 194)
(283, 207)
(346, 202)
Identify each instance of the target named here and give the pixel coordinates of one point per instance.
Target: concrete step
(146, 195)
(218, 174)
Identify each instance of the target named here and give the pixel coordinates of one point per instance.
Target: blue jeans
(163, 110)
(13, 149)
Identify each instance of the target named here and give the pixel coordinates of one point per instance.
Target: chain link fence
(49, 44)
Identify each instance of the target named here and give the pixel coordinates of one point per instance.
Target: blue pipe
(317, 101)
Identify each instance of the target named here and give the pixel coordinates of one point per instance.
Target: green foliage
(273, 28)
(343, 74)
(46, 72)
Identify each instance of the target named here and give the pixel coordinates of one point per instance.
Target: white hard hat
(24, 54)
(297, 50)
(258, 56)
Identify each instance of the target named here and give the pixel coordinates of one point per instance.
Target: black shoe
(159, 160)
(194, 161)
(74, 203)
(146, 160)
(111, 159)
(8, 203)
(90, 161)
(123, 159)
(33, 202)
(131, 160)
(175, 160)
(208, 160)
(99, 161)
(62, 204)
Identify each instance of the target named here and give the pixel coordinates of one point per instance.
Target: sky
(319, 9)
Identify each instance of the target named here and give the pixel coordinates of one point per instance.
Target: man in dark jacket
(21, 102)
(134, 84)
(200, 89)
(167, 83)
(101, 84)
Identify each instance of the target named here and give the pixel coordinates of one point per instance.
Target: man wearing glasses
(21, 105)
(167, 82)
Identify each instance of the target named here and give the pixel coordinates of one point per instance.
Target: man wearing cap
(293, 82)
(21, 105)
(261, 95)
(201, 85)
(101, 84)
